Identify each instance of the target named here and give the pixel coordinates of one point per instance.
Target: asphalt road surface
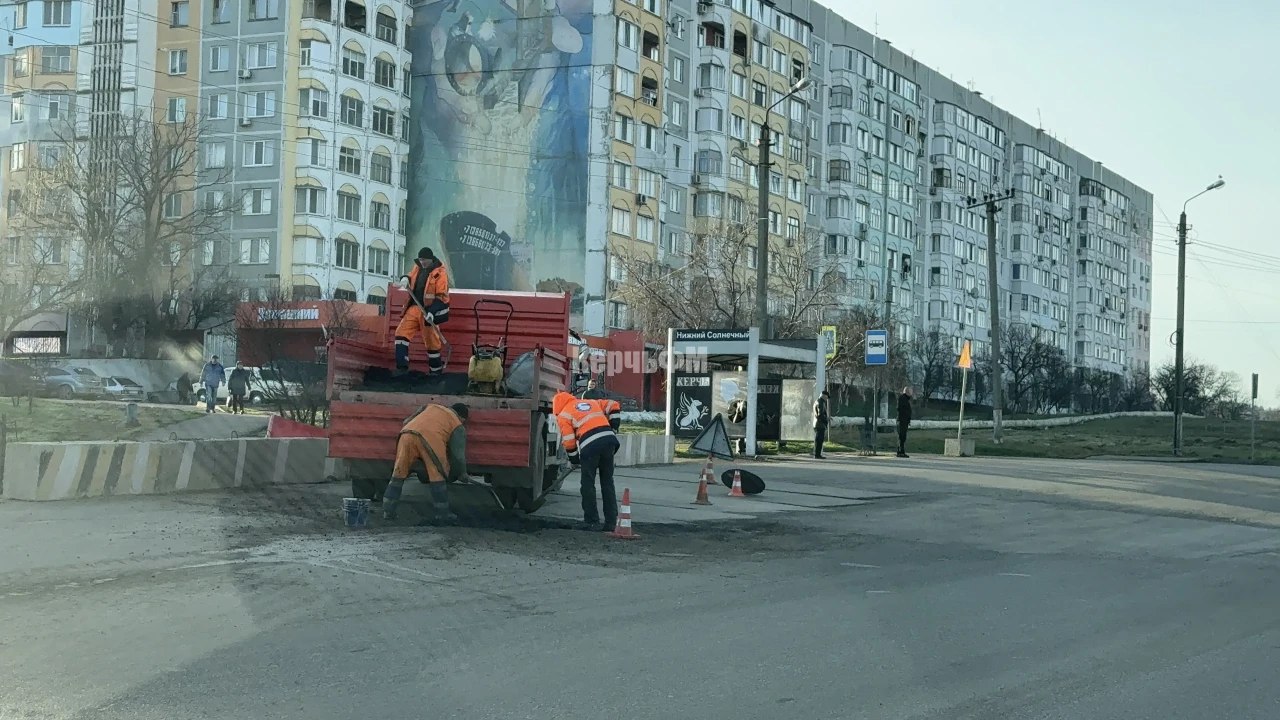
(987, 589)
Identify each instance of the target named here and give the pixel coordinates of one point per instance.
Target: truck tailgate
(368, 431)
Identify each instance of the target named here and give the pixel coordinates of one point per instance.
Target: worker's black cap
(461, 409)
(426, 254)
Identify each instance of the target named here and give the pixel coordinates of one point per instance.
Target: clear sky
(1168, 93)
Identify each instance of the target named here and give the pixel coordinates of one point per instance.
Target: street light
(1182, 293)
(762, 213)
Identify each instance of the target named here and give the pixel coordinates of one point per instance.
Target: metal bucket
(356, 512)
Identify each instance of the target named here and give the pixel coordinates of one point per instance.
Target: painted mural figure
(498, 159)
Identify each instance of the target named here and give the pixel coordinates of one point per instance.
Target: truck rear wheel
(527, 502)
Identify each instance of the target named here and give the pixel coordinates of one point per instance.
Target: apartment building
(885, 158)
(303, 112)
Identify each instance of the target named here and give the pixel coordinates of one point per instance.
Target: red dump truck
(512, 440)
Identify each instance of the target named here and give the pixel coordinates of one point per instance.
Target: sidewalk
(218, 426)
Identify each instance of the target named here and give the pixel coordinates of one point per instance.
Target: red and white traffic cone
(623, 530)
(702, 498)
(736, 490)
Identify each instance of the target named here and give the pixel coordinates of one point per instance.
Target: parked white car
(264, 383)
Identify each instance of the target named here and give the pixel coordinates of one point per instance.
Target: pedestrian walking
(904, 420)
(238, 387)
(212, 376)
(821, 421)
(588, 431)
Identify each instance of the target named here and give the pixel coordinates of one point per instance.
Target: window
(793, 228)
(838, 207)
(313, 152)
(384, 73)
(653, 6)
(353, 63)
(21, 68)
(623, 128)
(384, 28)
(620, 221)
(20, 14)
(380, 215)
(261, 55)
(676, 199)
(379, 261)
(257, 201)
(255, 251)
(645, 229)
(219, 12)
(351, 111)
(384, 121)
(264, 9)
(177, 110)
(173, 206)
(347, 253)
(314, 102)
(711, 76)
(622, 175)
(624, 82)
(259, 153)
(349, 207)
(304, 53)
(676, 113)
(57, 13)
(839, 171)
(349, 160)
(677, 69)
(260, 104)
(215, 155)
(217, 107)
(842, 96)
(709, 119)
(13, 254)
(179, 14)
(708, 205)
(628, 35)
(219, 58)
(646, 183)
(380, 168)
(51, 251)
(619, 317)
(309, 201)
(759, 93)
(50, 155)
(57, 59)
(18, 156)
(402, 220)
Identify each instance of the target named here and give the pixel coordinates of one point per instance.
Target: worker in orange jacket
(432, 443)
(588, 431)
(428, 283)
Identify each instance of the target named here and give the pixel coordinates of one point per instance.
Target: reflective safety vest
(583, 423)
(432, 427)
(430, 287)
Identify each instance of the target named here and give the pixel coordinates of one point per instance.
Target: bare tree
(35, 278)
(263, 331)
(715, 286)
(932, 359)
(137, 207)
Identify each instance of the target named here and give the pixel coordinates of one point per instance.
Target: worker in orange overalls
(428, 283)
(588, 431)
(433, 444)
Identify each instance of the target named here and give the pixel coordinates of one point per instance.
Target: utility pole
(1253, 416)
(1182, 298)
(1177, 354)
(762, 231)
(992, 204)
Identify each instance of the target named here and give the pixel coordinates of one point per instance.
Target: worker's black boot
(444, 515)
(391, 498)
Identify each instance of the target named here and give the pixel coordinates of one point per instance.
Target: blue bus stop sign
(877, 347)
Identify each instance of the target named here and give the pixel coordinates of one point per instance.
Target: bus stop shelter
(742, 348)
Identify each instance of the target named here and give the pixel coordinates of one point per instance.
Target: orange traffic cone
(702, 490)
(623, 530)
(736, 490)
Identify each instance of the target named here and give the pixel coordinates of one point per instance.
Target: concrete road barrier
(60, 471)
(645, 450)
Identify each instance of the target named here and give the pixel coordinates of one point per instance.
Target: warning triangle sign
(713, 440)
(966, 358)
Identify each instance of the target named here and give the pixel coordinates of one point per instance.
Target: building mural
(499, 141)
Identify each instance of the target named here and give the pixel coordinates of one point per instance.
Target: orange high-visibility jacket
(429, 286)
(440, 429)
(583, 422)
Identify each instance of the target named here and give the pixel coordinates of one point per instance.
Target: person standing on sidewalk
(238, 387)
(904, 420)
(212, 376)
(821, 420)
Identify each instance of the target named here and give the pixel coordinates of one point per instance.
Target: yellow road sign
(966, 360)
(829, 331)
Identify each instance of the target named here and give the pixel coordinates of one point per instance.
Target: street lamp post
(1182, 293)
(762, 213)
